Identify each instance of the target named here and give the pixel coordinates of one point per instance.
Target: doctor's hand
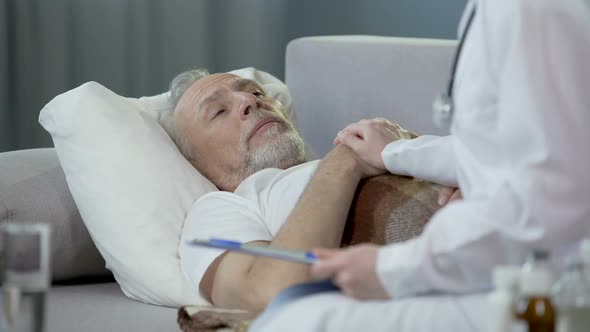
(353, 269)
(368, 138)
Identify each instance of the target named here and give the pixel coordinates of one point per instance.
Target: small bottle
(571, 295)
(501, 301)
(534, 306)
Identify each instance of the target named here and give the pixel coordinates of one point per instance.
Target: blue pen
(257, 250)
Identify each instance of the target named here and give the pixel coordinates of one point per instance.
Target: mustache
(259, 115)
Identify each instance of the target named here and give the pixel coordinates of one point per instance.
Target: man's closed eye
(218, 113)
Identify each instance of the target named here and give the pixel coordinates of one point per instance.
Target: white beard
(285, 150)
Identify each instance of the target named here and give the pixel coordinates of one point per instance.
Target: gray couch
(334, 80)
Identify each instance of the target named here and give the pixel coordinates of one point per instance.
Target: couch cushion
(33, 189)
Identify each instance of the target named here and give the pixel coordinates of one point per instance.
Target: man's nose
(247, 104)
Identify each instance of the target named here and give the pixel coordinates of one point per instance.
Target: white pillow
(131, 184)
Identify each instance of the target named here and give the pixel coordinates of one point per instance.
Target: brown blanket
(390, 208)
(209, 319)
(386, 209)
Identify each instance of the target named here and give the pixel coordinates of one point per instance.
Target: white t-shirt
(254, 212)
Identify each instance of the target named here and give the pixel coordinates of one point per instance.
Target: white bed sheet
(336, 312)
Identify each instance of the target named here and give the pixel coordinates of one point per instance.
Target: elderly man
(240, 138)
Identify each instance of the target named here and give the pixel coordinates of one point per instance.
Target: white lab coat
(519, 150)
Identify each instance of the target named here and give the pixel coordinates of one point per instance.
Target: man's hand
(344, 156)
(368, 138)
(353, 269)
(449, 194)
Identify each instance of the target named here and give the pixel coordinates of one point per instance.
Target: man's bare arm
(240, 281)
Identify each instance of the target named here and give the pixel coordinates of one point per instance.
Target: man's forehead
(210, 83)
(201, 90)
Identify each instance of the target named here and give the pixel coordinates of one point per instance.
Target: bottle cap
(538, 255)
(506, 276)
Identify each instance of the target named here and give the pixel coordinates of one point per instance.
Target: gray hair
(178, 87)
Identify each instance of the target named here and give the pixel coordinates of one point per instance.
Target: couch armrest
(336, 80)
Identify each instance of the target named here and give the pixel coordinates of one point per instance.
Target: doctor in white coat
(519, 150)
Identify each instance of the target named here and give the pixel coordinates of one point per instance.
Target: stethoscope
(442, 107)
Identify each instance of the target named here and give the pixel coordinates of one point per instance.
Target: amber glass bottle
(534, 307)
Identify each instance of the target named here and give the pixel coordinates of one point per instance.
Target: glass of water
(25, 275)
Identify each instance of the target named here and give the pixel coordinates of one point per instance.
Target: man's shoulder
(219, 198)
(256, 183)
(249, 193)
(222, 205)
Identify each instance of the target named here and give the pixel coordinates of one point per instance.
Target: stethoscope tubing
(443, 106)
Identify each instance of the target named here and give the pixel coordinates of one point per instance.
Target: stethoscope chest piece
(442, 111)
